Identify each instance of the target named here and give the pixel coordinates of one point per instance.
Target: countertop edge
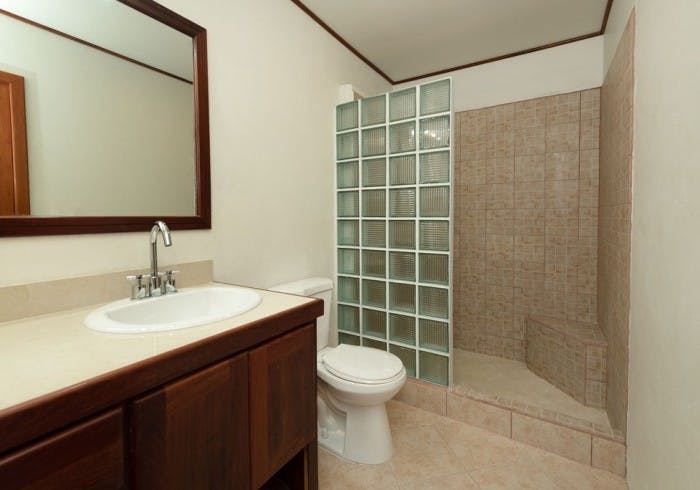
(47, 413)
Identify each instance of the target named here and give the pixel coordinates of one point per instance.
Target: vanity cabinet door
(193, 433)
(282, 403)
(89, 455)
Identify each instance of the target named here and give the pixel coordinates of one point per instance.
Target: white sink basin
(184, 309)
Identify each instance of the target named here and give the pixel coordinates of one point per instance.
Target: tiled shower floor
(512, 380)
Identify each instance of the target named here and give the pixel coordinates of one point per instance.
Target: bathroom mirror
(104, 122)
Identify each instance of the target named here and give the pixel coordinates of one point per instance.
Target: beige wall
(526, 198)
(559, 70)
(664, 397)
(274, 77)
(615, 221)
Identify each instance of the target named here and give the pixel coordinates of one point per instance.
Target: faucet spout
(162, 228)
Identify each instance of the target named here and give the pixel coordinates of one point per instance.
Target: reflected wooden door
(14, 174)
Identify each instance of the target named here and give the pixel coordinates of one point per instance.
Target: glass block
(346, 338)
(402, 266)
(435, 202)
(402, 328)
(348, 175)
(348, 318)
(435, 235)
(374, 263)
(374, 293)
(374, 234)
(374, 323)
(349, 232)
(348, 261)
(374, 344)
(402, 297)
(373, 110)
(402, 234)
(407, 356)
(374, 172)
(373, 142)
(348, 204)
(402, 203)
(434, 132)
(435, 97)
(402, 137)
(435, 167)
(346, 116)
(402, 170)
(402, 104)
(434, 268)
(433, 302)
(374, 203)
(349, 289)
(434, 335)
(434, 368)
(347, 145)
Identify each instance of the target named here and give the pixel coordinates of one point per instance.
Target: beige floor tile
(557, 439)
(477, 448)
(575, 476)
(411, 466)
(515, 476)
(458, 481)
(433, 452)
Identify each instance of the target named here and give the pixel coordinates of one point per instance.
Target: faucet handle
(170, 282)
(137, 288)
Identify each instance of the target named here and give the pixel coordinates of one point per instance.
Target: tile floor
(512, 380)
(431, 451)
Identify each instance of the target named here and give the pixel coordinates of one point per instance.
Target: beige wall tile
(517, 160)
(560, 440)
(479, 414)
(609, 455)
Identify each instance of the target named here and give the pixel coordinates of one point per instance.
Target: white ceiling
(408, 38)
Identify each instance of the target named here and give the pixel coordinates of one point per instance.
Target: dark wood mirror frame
(33, 226)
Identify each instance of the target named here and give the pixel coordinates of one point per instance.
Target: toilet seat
(362, 365)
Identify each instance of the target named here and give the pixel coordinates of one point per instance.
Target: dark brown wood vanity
(233, 411)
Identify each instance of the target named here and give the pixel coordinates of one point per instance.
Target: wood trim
(35, 418)
(499, 58)
(606, 17)
(34, 226)
(345, 43)
(341, 40)
(20, 166)
(92, 45)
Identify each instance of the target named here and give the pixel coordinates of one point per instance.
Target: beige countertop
(43, 354)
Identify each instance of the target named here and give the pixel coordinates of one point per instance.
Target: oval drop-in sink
(184, 309)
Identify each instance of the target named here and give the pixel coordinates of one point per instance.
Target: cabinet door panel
(282, 401)
(193, 433)
(89, 455)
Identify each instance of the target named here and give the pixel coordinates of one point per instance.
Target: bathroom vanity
(230, 405)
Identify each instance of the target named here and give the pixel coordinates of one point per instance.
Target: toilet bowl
(354, 384)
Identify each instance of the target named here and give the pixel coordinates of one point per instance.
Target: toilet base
(358, 433)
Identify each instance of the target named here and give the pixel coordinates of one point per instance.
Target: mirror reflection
(96, 111)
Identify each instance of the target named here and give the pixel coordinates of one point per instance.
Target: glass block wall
(393, 166)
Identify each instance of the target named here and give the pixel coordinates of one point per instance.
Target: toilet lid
(362, 364)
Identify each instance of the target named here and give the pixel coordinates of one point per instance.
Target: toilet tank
(317, 287)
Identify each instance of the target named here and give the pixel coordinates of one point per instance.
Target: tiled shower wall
(526, 218)
(615, 220)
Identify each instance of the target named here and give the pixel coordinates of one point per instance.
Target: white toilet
(354, 384)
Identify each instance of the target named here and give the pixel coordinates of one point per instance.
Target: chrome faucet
(158, 286)
(153, 284)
